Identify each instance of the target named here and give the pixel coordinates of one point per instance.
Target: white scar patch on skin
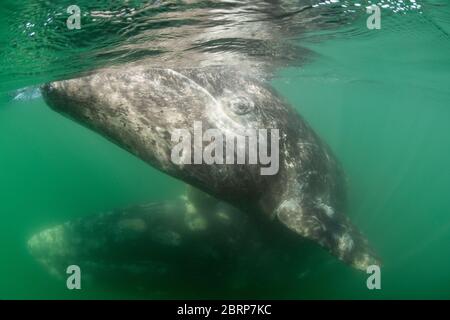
(345, 243)
(329, 211)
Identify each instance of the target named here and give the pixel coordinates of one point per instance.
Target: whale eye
(241, 105)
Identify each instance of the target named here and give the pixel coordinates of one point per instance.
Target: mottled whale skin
(139, 106)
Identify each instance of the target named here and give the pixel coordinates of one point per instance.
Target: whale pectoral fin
(335, 233)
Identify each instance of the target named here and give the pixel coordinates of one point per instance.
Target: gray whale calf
(139, 106)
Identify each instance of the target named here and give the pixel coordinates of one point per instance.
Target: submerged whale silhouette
(193, 245)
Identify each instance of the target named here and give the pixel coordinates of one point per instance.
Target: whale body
(174, 247)
(139, 106)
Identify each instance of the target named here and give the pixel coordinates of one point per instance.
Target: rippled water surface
(380, 98)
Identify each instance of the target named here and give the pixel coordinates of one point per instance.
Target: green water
(380, 98)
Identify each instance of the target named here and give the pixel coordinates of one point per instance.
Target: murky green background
(380, 98)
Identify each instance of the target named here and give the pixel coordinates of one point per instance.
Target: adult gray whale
(139, 107)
